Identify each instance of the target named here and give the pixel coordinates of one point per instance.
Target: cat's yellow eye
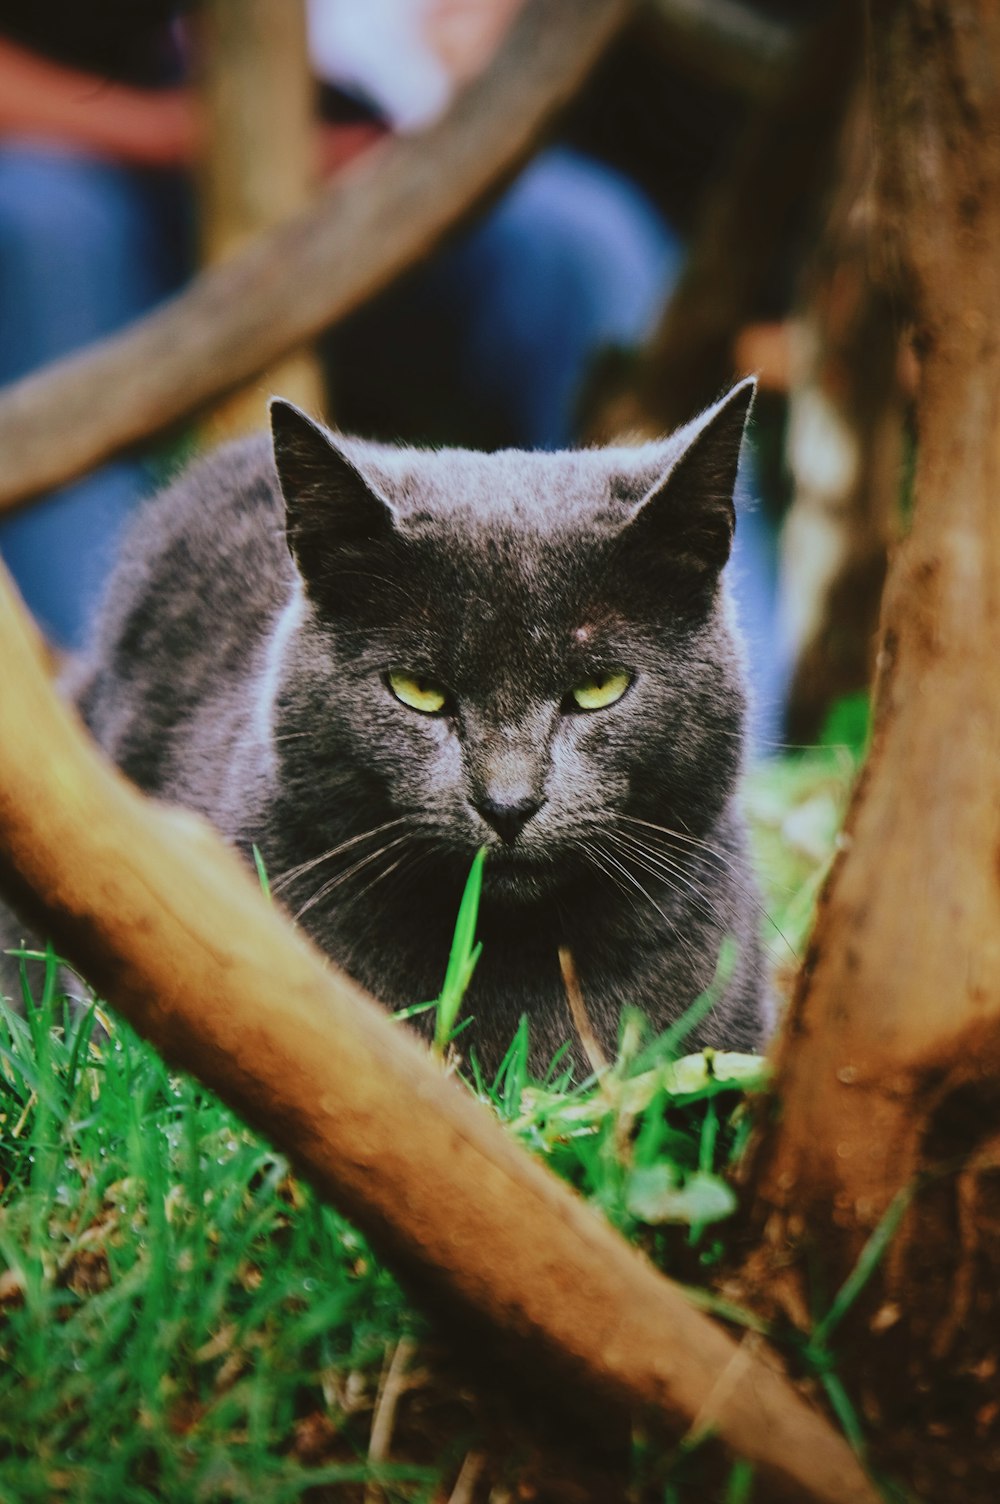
(419, 693)
(600, 691)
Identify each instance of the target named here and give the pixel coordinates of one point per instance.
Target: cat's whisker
(335, 882)
(727, 861)
(674, 861)
(427, 848)
(594, 858)
(746, 890)
(631, 878)
(404, 866)
(291, 873)
(407, 860)
(770, 744)
(725, 857)
(689, 844)
(682, 940)
(661, 866)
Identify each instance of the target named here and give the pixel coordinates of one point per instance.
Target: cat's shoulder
(203, 565)
(223, 496)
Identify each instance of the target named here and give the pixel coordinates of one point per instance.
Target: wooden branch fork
(237, 318)
(169, 925)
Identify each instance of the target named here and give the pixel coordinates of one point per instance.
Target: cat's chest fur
(369, 663)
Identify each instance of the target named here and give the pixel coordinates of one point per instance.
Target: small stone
(986, 1415)
(885, 1317)
(11, 1287)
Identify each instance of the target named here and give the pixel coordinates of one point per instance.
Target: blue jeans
(490, 341)
(85, 247)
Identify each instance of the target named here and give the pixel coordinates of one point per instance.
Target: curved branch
(728, 40)
(171, 927)
(236, 318)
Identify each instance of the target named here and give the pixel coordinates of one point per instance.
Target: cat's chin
(511, 877)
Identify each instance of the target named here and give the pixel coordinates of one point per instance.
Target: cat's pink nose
(508, 817)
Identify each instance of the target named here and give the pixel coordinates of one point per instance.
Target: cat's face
(514, 650)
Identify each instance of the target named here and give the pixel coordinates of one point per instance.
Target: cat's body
(288, 688)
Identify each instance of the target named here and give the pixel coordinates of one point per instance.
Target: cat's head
(523, 650)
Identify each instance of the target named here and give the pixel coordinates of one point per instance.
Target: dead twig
(578, 1008)
(390, 1392)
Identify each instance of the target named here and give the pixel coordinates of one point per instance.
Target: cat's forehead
(512, 490)
(510, 557)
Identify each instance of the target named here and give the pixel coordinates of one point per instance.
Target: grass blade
(463, 956)
(868, 1261)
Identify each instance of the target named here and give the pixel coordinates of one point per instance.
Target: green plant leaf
(262, 877)
(656, 1194)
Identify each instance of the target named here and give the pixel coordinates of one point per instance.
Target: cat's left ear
(685, 521)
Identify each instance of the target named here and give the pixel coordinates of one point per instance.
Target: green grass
(174, 1303)
(182, 1320)
(796, 807)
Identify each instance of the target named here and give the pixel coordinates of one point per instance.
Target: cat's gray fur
(240, 669)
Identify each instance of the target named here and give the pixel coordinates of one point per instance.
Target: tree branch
(235, 319)
(170, 926)
(727, 41)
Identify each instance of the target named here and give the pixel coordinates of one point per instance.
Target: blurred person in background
(94, 229)
(488, 342)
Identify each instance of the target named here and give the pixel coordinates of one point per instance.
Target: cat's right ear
(333, 514)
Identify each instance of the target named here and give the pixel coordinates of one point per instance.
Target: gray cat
(372, 661)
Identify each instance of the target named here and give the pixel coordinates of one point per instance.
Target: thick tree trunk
(889, 1066)
(259, 166)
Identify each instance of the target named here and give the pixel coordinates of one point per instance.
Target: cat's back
(202, 574)
(212, 540)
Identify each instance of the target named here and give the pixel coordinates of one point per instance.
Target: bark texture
(889, 1065)
(172, 927)
(292, 281)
